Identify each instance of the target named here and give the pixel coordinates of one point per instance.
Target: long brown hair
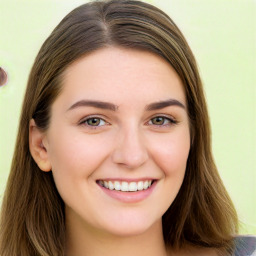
(32, 216)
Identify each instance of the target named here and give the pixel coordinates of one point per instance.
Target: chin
(135, 226)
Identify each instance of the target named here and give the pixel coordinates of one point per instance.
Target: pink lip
(129, 197)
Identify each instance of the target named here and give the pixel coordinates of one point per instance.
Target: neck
(84, 240)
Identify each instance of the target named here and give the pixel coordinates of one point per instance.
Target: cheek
(74, 159)
(76, 155)
(171, 153)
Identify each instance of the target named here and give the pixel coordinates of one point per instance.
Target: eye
(161, 121)
(94, 121)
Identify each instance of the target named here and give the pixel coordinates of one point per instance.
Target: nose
(130, 149)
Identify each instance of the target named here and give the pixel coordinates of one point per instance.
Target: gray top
(245, 246)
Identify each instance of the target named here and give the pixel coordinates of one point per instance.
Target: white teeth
(133, 186)
(117, 185)
(125, 186)
(105, 184)
(140, 185)
(110, 185)
(145, 185)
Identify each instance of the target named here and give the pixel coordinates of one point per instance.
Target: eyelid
(85, 119)
(82, 121)
(172, 120)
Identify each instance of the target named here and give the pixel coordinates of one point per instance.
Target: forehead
(121, 75)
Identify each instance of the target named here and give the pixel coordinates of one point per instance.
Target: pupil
(94, 121)
(158, 120)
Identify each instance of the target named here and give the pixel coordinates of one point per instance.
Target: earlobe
(37, 147)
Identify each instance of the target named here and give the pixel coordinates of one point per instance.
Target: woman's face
(119, 125)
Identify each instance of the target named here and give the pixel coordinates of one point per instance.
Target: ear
(37, 141)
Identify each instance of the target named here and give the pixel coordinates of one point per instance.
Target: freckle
(3, 77)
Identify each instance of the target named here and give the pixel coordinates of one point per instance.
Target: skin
(127, 143)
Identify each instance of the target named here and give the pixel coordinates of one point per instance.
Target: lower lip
(129, 197)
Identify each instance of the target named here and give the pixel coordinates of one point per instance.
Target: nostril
(3, 77)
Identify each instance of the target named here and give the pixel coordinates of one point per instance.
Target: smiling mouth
(125, 186)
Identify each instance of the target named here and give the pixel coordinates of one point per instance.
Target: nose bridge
(130, 147)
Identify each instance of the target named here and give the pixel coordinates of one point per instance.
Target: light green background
(222, 34)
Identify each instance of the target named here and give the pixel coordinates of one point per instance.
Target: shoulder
(245, 246)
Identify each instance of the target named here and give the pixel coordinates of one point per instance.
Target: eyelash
(86, 120)
(168, 121)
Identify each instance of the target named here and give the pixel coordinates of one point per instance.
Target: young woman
(113, 154)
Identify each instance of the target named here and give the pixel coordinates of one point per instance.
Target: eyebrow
(94, 103)
(164, 104)
(113, 107)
